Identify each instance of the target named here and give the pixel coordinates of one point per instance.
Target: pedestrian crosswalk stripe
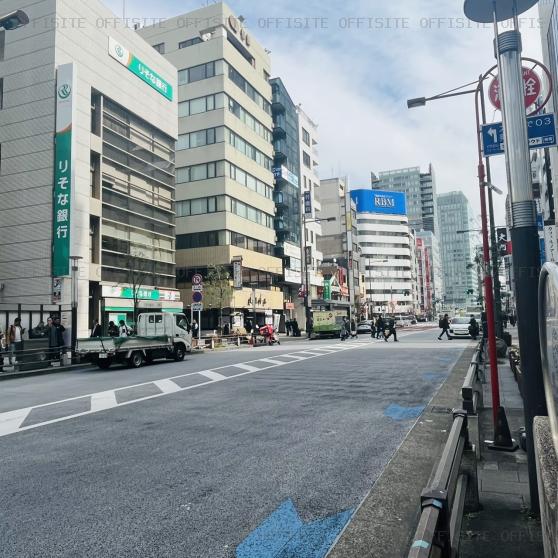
(215, 376)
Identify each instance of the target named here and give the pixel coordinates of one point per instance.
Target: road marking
(12, 420)
(273, 361)
(246, 367)
(103, 400)
(215, 376)
(294, 356)
(167, 386)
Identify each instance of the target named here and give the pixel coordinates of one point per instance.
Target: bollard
(238, 341)
(212, 343)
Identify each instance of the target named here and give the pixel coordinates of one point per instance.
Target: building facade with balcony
(87, 169)
(286, 170)
(224, 163)
(387, 251)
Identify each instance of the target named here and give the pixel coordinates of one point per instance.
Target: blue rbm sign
(379, 201)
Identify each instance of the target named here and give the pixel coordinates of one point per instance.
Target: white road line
(215, 376)
(12, 420)
(246, 367)
(167, 386)
(103, 400)
(309, 353)
(273, 361)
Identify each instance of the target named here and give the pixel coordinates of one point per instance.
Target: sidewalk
(504, 527)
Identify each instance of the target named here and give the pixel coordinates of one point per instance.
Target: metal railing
(452, 491)
(471, 392)
(39, 358)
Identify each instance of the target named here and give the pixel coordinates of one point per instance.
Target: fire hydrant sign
(531, 85)
(63, 171)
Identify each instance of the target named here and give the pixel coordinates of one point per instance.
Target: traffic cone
(502, 435)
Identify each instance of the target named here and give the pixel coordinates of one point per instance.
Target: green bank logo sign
(64, 91)
(141, 70)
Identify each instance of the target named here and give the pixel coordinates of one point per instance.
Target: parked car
(459, 327)
(364, 327)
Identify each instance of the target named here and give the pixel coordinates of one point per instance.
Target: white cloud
(353, 79)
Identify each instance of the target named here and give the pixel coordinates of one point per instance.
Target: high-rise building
(224, 161)
(457, 249)
(286, 169)
(310, 186)
(420, 191)
(387, 251)
(87, 170)
(435, 279)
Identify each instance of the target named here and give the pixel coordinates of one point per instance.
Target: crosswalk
(20, 420)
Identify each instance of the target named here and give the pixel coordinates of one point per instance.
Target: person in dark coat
(390, 326)
(380, 325)
(96, 330)
(444, 326)
(56, 337)
(112, 329)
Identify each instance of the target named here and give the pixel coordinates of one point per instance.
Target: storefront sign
(327, 289)
(143, 293)
(237, 273)
(138, 68)
(63, 170)
(285, 174)
(550, 242)
(308, 203)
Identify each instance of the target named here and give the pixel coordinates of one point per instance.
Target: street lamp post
(525, 240)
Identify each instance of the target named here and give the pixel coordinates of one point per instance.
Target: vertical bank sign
(138, 68)
(63, 170)
(380, 201)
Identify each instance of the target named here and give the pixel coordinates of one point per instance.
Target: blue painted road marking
(284, 535)
(396, 412)
(433, 377)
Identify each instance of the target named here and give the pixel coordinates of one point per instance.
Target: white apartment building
(224, 191)
(88, 124)
(310, 185)
(387, 251)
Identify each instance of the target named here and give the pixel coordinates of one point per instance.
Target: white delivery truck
(160, 335)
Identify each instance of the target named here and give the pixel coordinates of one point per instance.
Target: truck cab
(153, 324)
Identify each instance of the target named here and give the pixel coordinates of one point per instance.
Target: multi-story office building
(387, 254)
(88, 124)
(339, 240)
(310, 186)
(456, 217)
(286, 169)
(431, 248)
(420, 191)
(225, 184)
(424, 278)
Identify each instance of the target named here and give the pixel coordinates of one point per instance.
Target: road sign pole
(525, 238)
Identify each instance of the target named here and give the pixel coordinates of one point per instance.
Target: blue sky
(354, 65)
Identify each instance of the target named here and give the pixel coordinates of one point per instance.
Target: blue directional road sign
(541, 130)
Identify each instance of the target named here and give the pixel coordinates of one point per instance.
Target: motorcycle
(270, 335)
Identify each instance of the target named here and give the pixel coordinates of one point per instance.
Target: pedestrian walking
(390, 328)
(15, 339)
(444, 326)
(473, 328)
(345, 329)
(372, 328)
(310, 327)
(55, 337)
(380, 325)
(513, 320)
(353, 328)
(195, 329)
(96, 330)
(288, 327)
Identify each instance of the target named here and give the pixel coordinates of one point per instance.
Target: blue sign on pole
(541, 130)
(308, 203)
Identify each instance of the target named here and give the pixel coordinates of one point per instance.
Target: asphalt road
(190, 459)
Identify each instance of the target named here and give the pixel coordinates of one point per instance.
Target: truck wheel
(136, 360)
(104, 363)
(179, 353)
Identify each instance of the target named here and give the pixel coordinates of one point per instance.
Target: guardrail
(33, 359)
(452, 491)
(214, 341)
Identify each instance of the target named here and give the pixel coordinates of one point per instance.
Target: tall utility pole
(524, 233)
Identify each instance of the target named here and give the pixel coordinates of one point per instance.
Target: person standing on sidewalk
(15, 339)
(444, 326)
(55, 338)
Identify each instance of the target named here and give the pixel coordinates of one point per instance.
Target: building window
(243, 115)
(241, 82)
(200, 172)
(200, 138)
(249, 150)
(197, 73)
(201, 104)
(160, 48)
(200, 206)
(305, 137)
(190, 42)
(306, 160)
(201, 240)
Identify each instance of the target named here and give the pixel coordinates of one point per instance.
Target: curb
(43, 371)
